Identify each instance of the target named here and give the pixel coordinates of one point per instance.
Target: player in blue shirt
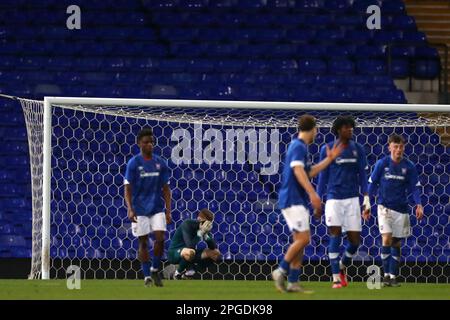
(341, 183)
(392, 180)
(295, 193)
(148, 199)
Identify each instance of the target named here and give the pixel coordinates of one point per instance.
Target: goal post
(79, 147)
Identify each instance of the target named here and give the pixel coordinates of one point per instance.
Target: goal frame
(222, 104)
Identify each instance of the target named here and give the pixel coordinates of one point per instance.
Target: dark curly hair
(144, 133)
(341, 121)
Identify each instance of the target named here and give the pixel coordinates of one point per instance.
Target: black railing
(443, 74)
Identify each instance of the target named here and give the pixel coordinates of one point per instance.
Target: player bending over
(293, 201)
(182, 249)
(392, 180)
(148, 198)
(342, 182)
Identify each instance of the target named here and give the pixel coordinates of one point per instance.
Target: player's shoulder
(383, 161)
(358, 145)
(408, 163)
(159, 159)
(134, 160)
(297, 144)
(329, 144)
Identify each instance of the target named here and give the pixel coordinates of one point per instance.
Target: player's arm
(303, 179)
(374, 179)
(128, 183)
(323, 177)
(187, 231)
(362, 166)
(167, 194)
(210, 241)
(327, 156)
(414, 188)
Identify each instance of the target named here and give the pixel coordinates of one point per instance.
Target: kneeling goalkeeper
(182, 249)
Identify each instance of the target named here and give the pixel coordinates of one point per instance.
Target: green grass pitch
(210, 290)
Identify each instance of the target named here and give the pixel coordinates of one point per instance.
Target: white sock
(392, 276)
(387, 274)
(336, 278)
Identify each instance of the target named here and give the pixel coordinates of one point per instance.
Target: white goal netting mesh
(229, 161)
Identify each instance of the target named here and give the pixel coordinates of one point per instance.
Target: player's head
(307, 126)
(396, 146)
(343, 127)
(205, 215)
(145, 140)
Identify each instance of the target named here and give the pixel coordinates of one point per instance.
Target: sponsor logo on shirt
(348, 160)
(149, 174)
(389, 176)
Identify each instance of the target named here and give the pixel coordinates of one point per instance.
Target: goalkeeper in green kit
(182, 249)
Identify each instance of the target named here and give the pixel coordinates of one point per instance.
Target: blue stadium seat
(403, 22)
(338, 5)
(418, 37)
(426, 69)
(393, 7)
(312, 66)
(371, 66)
(308, 5)
(341, 67)
(400, 68)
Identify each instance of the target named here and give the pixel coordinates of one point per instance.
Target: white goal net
(225, 156)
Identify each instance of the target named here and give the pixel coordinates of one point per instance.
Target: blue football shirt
(344, 177)
(395, 181)
(147, 178)
(291, 192)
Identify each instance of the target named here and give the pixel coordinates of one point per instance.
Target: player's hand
(206, 226)
(132, 216)
(316, 204)
(334, 152)
(168, 218)
(419, 212)
(317, 214)
(366, 215)
(366, 208)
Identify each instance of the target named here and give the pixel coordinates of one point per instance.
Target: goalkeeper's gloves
(366, 203)
(205, 227)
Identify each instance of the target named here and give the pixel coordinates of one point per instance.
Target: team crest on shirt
(140, 168)
(386, 169)
(158, 166)
(355, 153)
(403, 170)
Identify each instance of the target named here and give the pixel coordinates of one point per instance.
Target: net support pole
(46, 189)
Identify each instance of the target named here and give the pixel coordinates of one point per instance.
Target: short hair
(396, 138)
(208, 215)
(341, 121)
(146, 132)
(306, 122)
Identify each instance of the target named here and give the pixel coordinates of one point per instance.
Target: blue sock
(294, 274)
(284, 266)
(395, 260)
(146, 268)
(156, 263)
(385, 256)
(350, 250)
(333, 253)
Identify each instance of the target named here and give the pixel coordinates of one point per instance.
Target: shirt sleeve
(375, 178)
(165, 172)
(186, 229)
(297, 156)
(414, 186)
(323, 176)
(130, 173)
(210, 241)
(362, 161)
